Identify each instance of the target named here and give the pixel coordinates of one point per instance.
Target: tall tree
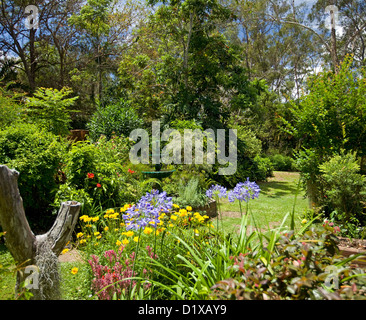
(28, 28)
(282, 54)
(182, 65)
(347, 34)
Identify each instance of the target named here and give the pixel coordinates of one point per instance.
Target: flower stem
(135, 258)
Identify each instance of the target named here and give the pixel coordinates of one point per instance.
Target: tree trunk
(312, 192)
(36, 254)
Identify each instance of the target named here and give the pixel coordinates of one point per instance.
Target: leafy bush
(10, 110)
(303, 267)
(113, 119)
(50, 109)
(345, 188)
(264, 168)
(37, 155)
(191, 194)
(97, 175)
(282, 163)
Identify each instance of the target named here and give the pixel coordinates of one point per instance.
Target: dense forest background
(208, 61)
(288, 75)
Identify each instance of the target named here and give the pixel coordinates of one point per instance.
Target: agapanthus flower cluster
(244, 191)
(216, 190)
(148, 210)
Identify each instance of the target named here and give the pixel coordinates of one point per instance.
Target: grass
(277, 198)
(7, 282)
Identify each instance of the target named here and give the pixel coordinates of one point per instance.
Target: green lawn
(276, 199)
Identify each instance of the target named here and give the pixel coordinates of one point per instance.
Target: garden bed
(210, 209)
(349, 247)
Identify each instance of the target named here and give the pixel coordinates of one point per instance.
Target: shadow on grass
(276, 189)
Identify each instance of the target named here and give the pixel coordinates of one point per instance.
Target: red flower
(99, 185)
(131, 171)
(90, 175)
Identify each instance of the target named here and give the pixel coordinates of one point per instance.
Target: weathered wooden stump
(34, 254)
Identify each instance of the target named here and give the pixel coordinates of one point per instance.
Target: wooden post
(28, 249)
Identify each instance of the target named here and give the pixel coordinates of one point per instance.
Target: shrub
(264, 168)
(303, 267)
(97, 174)
(50, 109)
(191, 194)
(113, 119)
(37, 155)
(10, 110)
(282, 163)
(345, 187)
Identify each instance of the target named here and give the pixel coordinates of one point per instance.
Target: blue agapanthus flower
(244, 191)
(217, 190)
(148, 210)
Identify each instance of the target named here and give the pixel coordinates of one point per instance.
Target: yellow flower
(74, 270)
(79, 235)
(189, 208)
(148, 230)
(129, 233)
(196, 232)
(83, 217)
(98, 237)
(82, 241)
(96, 233)
(304, 221)
(171, 225)
(106, 228)
(175, 206)
(125, 241)
(136, 239)
(64, 251)
(95, 219)
(118, 243)
(173, 217)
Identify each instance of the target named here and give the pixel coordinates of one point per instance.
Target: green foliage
(93, 17)
(96, 175)
(345, 187)
(81, 160)
(191, 194)
(332, 116)
(36, 154)
(306, 266)
(10, 110)
(181, 65)
(50, 109)
(250, 162)
(113, 119)
(264, 168)
(282, 163)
